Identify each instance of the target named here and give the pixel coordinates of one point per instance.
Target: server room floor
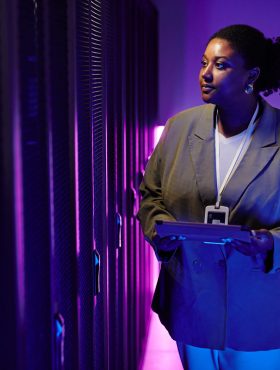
(161, 352)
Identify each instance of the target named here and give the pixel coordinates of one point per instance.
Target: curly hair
(257, 51)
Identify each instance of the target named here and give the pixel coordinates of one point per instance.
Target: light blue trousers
(195, 358)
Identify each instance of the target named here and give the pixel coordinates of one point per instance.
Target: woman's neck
(235, 119)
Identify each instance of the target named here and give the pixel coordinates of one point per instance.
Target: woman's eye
(220, 65)
(203, 63)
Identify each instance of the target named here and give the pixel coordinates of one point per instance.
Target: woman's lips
(207, 88)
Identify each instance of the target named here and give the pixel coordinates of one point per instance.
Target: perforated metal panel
(8, 281)
(84, 86)
(34, 167)
(89, 99)
(62, 184)
(91, 180)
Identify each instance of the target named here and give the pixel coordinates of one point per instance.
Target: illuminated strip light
(157, 133)
(155, 264)
(19, 217)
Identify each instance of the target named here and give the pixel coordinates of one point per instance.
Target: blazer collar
(265, 132)
(202, 148)
(260, 153)
(262, 149)
(205, 127)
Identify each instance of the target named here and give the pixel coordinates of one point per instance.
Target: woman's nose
(207, 74)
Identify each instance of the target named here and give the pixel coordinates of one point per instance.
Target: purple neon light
(157, 133)
(19, 217)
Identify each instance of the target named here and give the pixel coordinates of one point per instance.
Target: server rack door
(64, 309)
(43, 236)
(34, 186)
(139, 91)
(10, 300)
(91, 185)
(147, 38)
(29, 165)
(130, 247)
(114, 217)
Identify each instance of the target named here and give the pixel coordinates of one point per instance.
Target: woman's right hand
(165, 247)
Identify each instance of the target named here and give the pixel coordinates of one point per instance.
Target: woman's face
(223, 75)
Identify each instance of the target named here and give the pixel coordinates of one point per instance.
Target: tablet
(206, 233)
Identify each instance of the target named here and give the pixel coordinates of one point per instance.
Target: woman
(222, 303)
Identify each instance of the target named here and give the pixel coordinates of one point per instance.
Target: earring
(249, 89)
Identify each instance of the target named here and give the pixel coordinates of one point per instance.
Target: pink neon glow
(160, 354)
(124, 156)
(154, 263)
(157, 134)
(125, 221)
(19, 218)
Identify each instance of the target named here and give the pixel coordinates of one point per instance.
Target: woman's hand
(165, 247)
(261, 242)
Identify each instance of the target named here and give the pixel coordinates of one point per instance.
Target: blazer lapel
(202, 148)
(262, 149)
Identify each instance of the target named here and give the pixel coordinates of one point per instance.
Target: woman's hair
(257, 51)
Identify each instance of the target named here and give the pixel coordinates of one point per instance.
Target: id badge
(215, 215)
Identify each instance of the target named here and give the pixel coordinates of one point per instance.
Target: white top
(245, 142)
(228, 149)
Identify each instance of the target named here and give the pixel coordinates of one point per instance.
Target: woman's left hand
(261, 242)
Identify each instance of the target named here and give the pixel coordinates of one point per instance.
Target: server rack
(78, 98)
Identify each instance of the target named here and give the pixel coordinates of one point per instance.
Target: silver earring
(249, 89)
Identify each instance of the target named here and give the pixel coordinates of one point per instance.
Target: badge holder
(216, 215)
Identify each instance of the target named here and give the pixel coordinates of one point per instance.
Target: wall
(183, 33)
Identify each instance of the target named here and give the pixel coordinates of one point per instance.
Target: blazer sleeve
(152, 206)
(275, 265)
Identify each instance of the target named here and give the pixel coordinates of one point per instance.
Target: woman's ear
(253, 75)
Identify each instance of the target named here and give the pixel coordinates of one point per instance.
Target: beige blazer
(209, 296)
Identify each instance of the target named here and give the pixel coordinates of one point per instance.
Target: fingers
(168, 243)
(177, 237)
(248, 249)
(261, 242)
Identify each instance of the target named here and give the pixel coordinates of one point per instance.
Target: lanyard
(237, 158)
